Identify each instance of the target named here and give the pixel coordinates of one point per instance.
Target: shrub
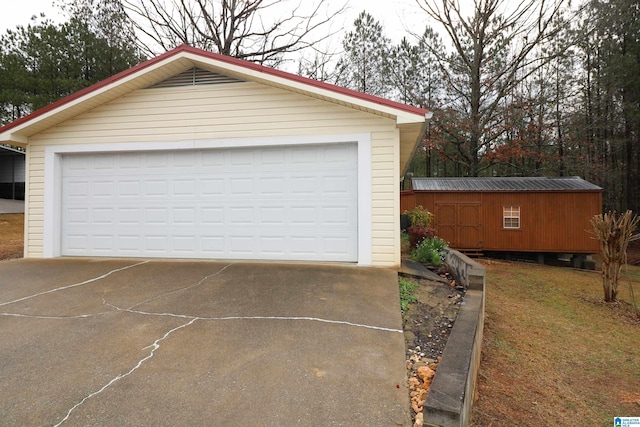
(430, 251)
(419, 216)
(418, 233)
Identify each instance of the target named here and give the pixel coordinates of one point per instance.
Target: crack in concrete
(36, 316)
(304, 318)
(62, 288)
(185, 316)
(200, 282)
(84, 316)
(155, 346)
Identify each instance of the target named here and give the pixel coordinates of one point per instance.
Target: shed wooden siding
(555, 221)
(236, 110)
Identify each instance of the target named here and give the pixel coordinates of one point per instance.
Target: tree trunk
(614, 234)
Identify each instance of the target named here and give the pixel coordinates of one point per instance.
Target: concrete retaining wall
(452, 391)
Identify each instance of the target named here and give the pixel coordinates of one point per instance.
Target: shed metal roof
(572, 183)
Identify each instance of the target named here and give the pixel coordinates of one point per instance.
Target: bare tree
(496, 46)
(256, 30)
(614, 234)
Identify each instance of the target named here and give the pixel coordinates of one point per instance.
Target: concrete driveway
(11, 206)
(90, 342)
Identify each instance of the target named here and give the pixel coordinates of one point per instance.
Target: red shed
(536, 214)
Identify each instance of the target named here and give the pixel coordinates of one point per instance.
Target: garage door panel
(156, 216)
(129, 216)
(184, 188)
(158, 160)
(336, 216)
(155, 244)
(335, 245)
(78, 216)
(304, 215)
(212, 246)
(272, 216)
(105, 164)
(273, 186)
(103, 243)
(272, 245)
(303, 156)
(212, 216)
(212, 158)
(130, 162)
(129, 189)
(241, 186)
(78, 189)
(128, 244)
(286, 203)
(184, 216)
(104, 216)
(272, 158)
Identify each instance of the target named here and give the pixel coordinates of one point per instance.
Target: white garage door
(280, 203)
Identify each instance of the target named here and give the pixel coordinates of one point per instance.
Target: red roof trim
(221, 58)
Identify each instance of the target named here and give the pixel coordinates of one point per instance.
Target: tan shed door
(273, 203)
(460, 224)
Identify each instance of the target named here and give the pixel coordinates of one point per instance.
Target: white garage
(193, 154)
(282, 203)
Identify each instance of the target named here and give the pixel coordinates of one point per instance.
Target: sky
(395, 15)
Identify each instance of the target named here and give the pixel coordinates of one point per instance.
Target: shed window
(511, 216)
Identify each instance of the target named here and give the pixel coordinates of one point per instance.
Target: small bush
(418, 233)
(419, 216)
(430, 251)
(407, 288)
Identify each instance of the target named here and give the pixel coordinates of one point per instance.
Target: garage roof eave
(14, 139)
(181, 58)
(410, 137)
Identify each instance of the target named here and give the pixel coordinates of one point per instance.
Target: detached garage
(197, 155)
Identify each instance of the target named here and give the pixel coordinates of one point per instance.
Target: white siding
(238, 110)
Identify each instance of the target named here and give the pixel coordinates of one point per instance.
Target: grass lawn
(11, 236)
(553, 352)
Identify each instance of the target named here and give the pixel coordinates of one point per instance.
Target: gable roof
(572, 183)
(410, 120)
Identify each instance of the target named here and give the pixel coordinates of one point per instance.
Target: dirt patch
(427, 326)
(428, 321)
(11, 236)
